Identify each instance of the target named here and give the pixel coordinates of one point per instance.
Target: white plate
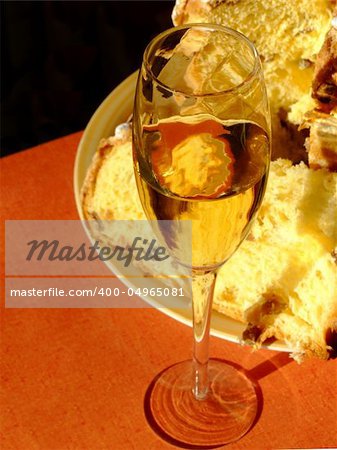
(115, 109)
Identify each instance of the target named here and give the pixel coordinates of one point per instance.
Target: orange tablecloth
(76, 379)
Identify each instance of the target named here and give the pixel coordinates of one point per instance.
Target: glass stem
(203, 283)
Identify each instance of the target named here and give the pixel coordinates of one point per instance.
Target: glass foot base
(226, 414)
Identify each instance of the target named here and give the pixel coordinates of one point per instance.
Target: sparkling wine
(210, 172)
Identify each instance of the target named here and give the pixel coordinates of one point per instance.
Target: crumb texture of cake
(288, 38)
(283, 279)
(109, 190)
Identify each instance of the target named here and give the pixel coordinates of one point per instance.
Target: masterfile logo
(139, 252)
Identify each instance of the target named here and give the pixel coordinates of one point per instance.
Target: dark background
(60, 59)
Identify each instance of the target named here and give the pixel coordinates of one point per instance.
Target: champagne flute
(201, 148)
